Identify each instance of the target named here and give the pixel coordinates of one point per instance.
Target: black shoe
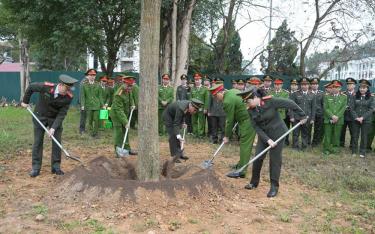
(273, 191)
(184, 157)
(34, 173)
(251, 186)
(236, 175)
(132, 152)
(57, 171)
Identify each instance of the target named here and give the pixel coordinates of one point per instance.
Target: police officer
(292, 89)
(104, 91)
(241, 85)
(123, 101)
(201, 93)
(318, 123)
(165, 98)
(362, 109)
(306, 101)
(135, 93)
(217, 117)
(236, 112)
(334, 108)
(348, 119)
(254, 81)
(184, 93)
(269, 126)
(82, 118)
(267, 82)
(279, 92)
(173, 117)
(51, 109)
(91, 102)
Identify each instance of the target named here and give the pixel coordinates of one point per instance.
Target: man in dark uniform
(305, 100)
(184, 93)
(267, 82)
(292, 89)
(216, 115)
(348, 118)
(241, 85)
(51, 109)
(319, 121)
(173, 117)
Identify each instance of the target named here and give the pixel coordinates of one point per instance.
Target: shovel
(209, 163)
(121, 151)
(54, 139)
(183, 138)
(266, 149)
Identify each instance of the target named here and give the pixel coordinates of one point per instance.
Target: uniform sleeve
(327, 109)
(259, 130)
(178, 120)
(342, 109)
(291, 112)
(82, 94)
(352, 111)
(60, 116)
(34, 87)
(288, 104)
(178, 94)
(313, 108)
(371, 105)
(206, 99)
(101, 100)
(229, 111)
(170, 95)
(118, 110)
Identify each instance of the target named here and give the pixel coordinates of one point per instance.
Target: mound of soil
(116, 179)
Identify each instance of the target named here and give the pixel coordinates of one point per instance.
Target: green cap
(68, 80)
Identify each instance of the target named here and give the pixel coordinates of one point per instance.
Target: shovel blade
(122, 152)
(207, 164)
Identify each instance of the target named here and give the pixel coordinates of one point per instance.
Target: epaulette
(119, 91)
(344, 94)
(286, 90)
(267, 97)
(49, 84)
(70, 94)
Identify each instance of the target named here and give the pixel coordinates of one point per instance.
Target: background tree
(148, 165)
(281, 52)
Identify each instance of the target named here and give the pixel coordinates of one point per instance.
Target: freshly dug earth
(117, 179)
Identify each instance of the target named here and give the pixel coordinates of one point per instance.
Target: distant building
(128, 58)
(358, 69)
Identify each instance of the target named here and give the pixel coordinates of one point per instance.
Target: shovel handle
(53, 138)
(183, 137)
(268, 148)
(127, 129)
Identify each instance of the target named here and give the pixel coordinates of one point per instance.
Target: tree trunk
(166, 54)
(174, 40)
(148, 165)
(25, 70)
(183, 44)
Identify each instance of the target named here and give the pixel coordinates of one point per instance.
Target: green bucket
(103, 114)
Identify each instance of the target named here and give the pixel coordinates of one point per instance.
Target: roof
(10, 67)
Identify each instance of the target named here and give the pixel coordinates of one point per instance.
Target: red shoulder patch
(49, 84)
(267, 97)
(70, 94)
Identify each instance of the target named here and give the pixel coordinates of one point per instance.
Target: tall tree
(148, 141)
(281, 52)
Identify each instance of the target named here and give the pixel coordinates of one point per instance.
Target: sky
(300, 15)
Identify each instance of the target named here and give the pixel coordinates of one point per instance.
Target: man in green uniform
(123, 101)
(348, 118)
(51, 109)
(173, 117)
(200, 93)
(91, 102)
(104, 91)
(318, 123)
(82, 118)
(334, 108)
(236, 112)
(111, 88)
(306, 101)
(135, 92)
(165, 98)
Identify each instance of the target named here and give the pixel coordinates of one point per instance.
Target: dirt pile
(116, 179)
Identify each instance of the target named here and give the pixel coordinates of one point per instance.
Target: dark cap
(315, 81)
(234, 82)
(67, 80)
(219, 81)
(304, 80)
(196, 103)
(248, 93)
(294, 81)
(240, 81)
(267, 77)
(350, 80)
(183, 77)
(364, 82)
(91, 71)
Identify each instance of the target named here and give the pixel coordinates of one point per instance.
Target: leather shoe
(273, 191)
(236, 175)
(132, 152)
(183, 157)
(34, 173)
(57, 171)
(251, 186)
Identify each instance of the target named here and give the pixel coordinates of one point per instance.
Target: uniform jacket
(318, 102)
(334, 105)
(105, 94)
(266, 119)
(306, 102)
(174, 115)
(235, 110)
(183, 93)
(362, 107)
(350, 97)
(215, 108)
(120, 110)
(165, 94)
(48, 106)
(91, 96)
(201, 94)
(281, 94)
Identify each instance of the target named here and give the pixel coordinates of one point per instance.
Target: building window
(127, 65)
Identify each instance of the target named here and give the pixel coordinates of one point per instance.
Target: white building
(358, 69)
(128, 58)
